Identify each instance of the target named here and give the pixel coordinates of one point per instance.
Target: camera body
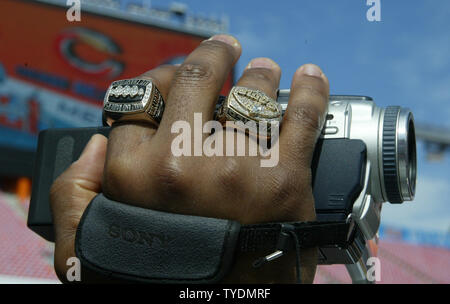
(365, 156)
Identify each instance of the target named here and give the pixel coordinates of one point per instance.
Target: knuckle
(218, 50)
(229, 177)
(169, 178)
(154, 73)
(260, 75)
(161, 175)
(312, 90)
(117, 174)
(305, 115)
(148, 75)
(198, 74)
(312, 87)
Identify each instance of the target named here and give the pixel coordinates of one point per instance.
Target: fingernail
(310, 70)
(262, 63)
(228, 40)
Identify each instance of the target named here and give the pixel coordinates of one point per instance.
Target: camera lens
(412, 158)
(399, 155)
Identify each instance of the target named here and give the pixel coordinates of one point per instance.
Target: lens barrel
(399, 155)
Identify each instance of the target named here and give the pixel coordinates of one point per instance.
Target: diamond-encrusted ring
(247, 105)
(133, 100)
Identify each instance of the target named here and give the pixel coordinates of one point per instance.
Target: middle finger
(198, 81)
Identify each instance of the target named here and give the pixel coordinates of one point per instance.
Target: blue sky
(402, 60)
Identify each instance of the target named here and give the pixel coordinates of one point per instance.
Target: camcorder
(365, 156)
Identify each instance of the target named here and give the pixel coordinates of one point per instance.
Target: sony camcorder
(365, 156)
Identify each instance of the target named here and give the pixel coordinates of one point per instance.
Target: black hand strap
(264, 237)
(136, 244)
(278, 238)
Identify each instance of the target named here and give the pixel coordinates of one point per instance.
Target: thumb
(70, 194)
(87, 171)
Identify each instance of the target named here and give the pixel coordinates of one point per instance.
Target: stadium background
(57, 77)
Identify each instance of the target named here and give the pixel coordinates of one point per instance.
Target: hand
(141, 169)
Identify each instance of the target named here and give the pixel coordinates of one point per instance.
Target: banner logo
(71, 40)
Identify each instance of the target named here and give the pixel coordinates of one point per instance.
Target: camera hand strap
(125, 242)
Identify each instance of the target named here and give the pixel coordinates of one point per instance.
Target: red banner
(80, 59)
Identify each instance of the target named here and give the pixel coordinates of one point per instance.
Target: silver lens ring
(406, 154)
(399, 155)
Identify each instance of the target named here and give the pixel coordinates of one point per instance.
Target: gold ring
(246, 105)
(133, 100)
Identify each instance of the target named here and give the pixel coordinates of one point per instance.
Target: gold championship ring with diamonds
(133, 100)
(249, 105)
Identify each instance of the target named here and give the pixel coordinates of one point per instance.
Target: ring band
(244, 105)
(133, 100)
